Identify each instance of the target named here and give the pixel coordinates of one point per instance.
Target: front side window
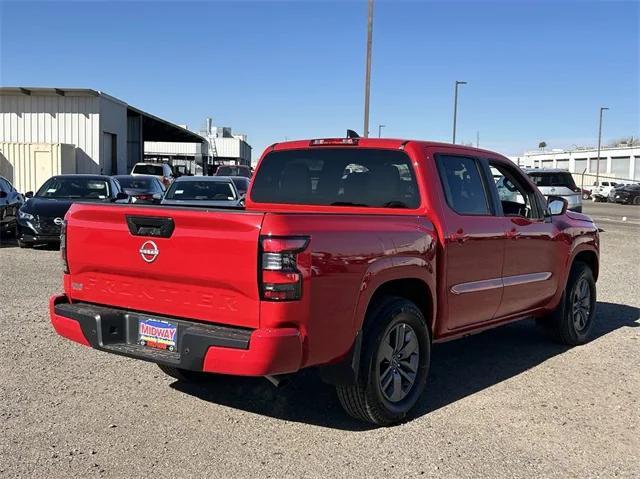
(337, 177)
(463, 185)
(516, 196)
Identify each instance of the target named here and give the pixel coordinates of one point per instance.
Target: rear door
(181, 262)
(474, 245)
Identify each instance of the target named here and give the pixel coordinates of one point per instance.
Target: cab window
(463, 185)
(516, 196)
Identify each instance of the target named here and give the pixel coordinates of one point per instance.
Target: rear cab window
(340, 177)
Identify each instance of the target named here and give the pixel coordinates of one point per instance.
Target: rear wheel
(636, 200)
(393, 366)
(184, 375)
(572, 321)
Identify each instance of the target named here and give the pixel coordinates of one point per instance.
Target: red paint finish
(208, 270)
(66, 327)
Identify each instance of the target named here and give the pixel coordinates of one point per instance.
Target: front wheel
(573, 319)
(393, 365)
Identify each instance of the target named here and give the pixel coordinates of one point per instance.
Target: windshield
(136, 182)
(154, 170)
(553, 179)
(202, 191)
(337, 177)
(74, 187)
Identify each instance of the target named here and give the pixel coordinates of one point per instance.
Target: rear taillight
(166, 181)
(63, 247)
(144, 197)
(283, 261)
(575, 189)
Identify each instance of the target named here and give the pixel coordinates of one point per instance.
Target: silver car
(557, 182)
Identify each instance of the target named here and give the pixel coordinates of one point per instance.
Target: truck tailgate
(204, 267)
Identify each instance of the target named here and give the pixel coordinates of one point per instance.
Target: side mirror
(3, 194)
(28, 194)
(557, 205)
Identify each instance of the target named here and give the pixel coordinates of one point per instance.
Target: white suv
(557, 182)
(601, 190)
(162, 171)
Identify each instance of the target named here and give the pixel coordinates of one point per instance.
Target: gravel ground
(503, 403)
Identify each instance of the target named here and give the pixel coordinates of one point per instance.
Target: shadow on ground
(458, 369)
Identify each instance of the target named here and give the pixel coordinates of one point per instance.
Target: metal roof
(154, 127)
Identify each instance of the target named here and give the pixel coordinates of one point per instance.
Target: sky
(536, 70)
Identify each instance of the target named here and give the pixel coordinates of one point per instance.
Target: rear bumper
(201, 347)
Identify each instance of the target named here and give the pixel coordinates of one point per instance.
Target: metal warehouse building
(47, 131)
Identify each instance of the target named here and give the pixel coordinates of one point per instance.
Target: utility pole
(455, 108)
(380, 127)
(367, 80)
(602, 108)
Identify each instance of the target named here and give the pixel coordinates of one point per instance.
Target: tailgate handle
(156, 226)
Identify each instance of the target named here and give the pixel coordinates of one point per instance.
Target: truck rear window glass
(201, 190)
(553, 179)
(337, 177)
(154, 170)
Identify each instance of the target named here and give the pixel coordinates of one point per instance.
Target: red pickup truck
(352, 255)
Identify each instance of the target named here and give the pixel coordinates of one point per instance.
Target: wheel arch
(590, 258)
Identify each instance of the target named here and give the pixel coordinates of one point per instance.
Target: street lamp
(602, 108)
(380, 127)
(455, 108)
(367, 79)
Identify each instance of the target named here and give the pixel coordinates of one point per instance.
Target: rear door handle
(459, 236)
(512, 234)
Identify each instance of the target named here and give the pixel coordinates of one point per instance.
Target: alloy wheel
(397, 360)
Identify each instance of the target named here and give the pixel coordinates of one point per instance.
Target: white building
(46, 131)
(616, 163)
(221, 147)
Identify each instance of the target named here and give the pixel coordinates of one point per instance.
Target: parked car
(601, 189)
(234, 170)
(10, 203)
(586, 194)
(141, 189)
(353, 255)
(162, 171)
(241, 183)
(40, 218)
(626, 194)
(557, 182)
(204, 191)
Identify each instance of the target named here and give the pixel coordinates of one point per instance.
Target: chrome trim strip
(475, 286)
(486, 284)
(525, 278)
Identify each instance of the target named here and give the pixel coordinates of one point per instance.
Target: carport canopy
(157, 129)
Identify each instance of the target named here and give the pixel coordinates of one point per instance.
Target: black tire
(368, 400)
(22, 244)
(636, 200)
(184, 375)
(572, 321)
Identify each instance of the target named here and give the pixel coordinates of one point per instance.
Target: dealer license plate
(159, 334)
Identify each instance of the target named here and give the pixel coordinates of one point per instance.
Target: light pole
(602, 108)
(455, 108)
(380, 127)
(367, 78)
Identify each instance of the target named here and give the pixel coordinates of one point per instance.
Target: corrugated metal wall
(53, 119)
(29, 165)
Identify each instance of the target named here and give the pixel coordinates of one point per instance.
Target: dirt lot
(503, 403)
